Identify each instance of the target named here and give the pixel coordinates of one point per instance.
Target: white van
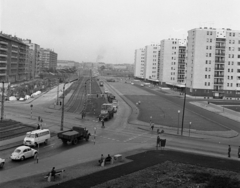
(37, 137)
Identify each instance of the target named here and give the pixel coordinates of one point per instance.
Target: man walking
(229, 151)
(102, 120)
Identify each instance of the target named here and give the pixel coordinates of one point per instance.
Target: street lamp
(178, 122)
(58, 90)
(62, 118)
(184, 102)
(189, 127)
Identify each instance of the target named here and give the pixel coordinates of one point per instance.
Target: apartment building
(48, 59)
(34, 58)
(151, 62)
(172, 62)
(13, 58)
(139, 61)
(213, 62)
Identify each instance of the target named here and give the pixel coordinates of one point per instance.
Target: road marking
(135, 137)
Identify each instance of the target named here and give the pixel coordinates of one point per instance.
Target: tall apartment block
(172, 62)
(13, 58)
(48, 59)
(34, 58)
(213, 62)
(151, 63)
(139, 60)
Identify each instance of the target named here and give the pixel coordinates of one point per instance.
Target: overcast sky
(82, 30)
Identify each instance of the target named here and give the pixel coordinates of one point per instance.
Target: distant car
(2, 162)
(142, 85)
(106, 91)
(23, 152)
(132, 83)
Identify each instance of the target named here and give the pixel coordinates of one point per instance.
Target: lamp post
(31, 106)
(62, 118)
(62, 108)
(178, 122)
(58, 90)
(189, 127)
(3, 98)
(184, 102)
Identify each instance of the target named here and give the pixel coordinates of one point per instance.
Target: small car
(23, 152)
(2, 162)
(142, 85)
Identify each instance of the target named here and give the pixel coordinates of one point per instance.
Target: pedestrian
(152, 127)
(158, 141)
(101, 159)
(38, 127)
(158, 131)
(53, 173)
(102, 120)
(83, 114)
(229, 151)
(239, 152)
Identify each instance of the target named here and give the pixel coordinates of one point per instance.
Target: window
(210, 40)
(206, 69)
(205, 76)
(230, 41)
(230, 34)
(228, 84)
(232, 62)
(206, 61)
(208, 83)
(231, 77)
(233, 41)
(229, 63)
(229, 55)
(210, 47)
(207, 40)
(238, 49)
(238, 63)
(206, 54)
(209, 76)
(209, 69)
(207, 32)
(232, 70)
(210, 32)
(210, 54)
(238, 56)
(209, 61)
(205, 83)
(233, 34)
(229, 48)
(207, 47)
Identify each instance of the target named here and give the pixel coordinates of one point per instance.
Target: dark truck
(110, 97)
(107, 111)
(101, 83)
(74, 135)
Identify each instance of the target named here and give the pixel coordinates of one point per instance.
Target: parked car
(23, 152)
(2, 162)
(142, 85)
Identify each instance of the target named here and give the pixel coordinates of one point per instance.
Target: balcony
(13, 45)
(3, 49)
(218, 82)
(219, 61)
(220, 54)
(3, 68)
(219, 68)
(14, 57)
(221, 47)
(219, 75)
(3, 73)
(2, 42)
(3, 61)
(14, 51)
(3, 55)
(22, 52)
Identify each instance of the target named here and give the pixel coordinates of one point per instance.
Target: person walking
(152, 126)
(229, 151)
(53, 173)
(102, 120)
(239, 152)
(158, 141)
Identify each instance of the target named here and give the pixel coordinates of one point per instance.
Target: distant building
(151, 62)
(119, 66)
(48, 59)
(172, 62)
(33, 58)
(139, 62)
(62, 64)
(13, 58)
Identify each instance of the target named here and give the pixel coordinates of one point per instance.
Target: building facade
(48, 59)
(213, 62)
(151, 62)
(172, 62)
(62, 64)
(139, 62)
(13, 59)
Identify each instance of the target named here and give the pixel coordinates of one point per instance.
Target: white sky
(82, 30)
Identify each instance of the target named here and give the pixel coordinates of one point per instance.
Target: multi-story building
(34, 58)
(13, 58)
(48, 58)
(172, 65)
(151, 62)
(139, 62)
(213, 62)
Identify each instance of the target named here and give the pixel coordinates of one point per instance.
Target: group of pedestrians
(40, 123)
(230, 149)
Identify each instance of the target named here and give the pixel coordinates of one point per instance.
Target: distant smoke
(99, 57)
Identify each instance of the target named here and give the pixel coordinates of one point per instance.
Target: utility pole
(62, 118)
(58, 90)
(3, 98)
(184, 102)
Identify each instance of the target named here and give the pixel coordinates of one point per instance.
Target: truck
(110, 97)
(107, 111)
(101, 83)
(74, 135)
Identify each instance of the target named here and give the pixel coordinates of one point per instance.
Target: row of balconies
(3, 49)
(219, 75)
(219, 68)
(2, 42)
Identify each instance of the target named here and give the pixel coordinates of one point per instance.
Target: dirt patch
(171, 175)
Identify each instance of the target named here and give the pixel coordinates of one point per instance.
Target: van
(37, 137)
